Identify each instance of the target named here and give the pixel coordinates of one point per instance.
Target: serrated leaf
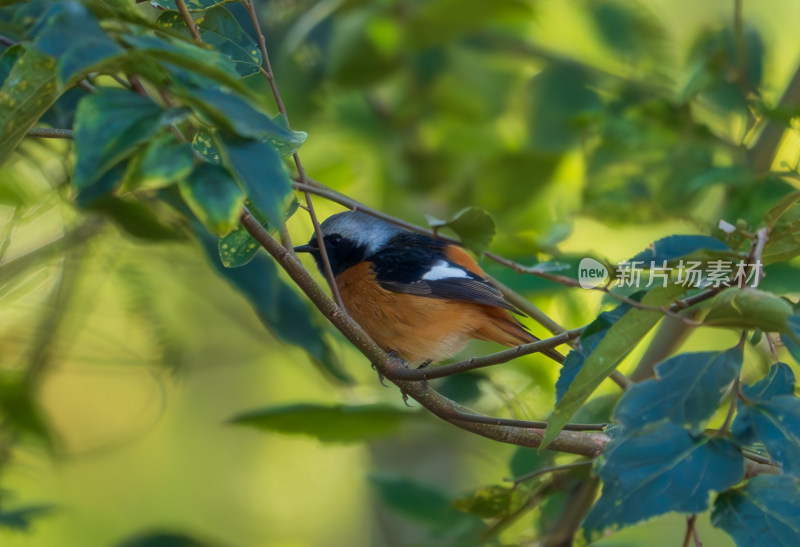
(622, 337)
(336, 423)
(214, 197)
(29, 89)
(109, 125)
(661, 470)
(749, 308)
(771, 415)
(260, 170)
(473, 226)
(71, 34)
(687, 390)
(765, 511)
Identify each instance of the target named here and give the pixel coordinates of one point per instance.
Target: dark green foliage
(330, 424)
(687, 390)
(654, 471)
(770, 414)
(765, 511)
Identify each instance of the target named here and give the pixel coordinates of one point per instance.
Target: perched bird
(419, 297)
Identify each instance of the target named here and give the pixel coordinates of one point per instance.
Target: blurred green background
(585, 128)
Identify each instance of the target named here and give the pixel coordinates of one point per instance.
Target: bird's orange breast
(420, 328)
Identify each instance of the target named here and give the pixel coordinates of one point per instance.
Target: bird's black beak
(305, 248)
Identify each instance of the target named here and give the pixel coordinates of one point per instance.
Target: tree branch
(416, 374)
(50, 133)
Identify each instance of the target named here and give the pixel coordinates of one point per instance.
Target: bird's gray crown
(361, 228)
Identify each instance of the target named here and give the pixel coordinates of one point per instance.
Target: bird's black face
(342, 252)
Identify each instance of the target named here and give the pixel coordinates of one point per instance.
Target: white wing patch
(444, 270)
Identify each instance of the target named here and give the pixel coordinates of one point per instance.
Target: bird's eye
(334, 239)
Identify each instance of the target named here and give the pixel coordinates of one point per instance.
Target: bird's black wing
(418, 265)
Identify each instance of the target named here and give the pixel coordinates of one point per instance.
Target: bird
(418, 297)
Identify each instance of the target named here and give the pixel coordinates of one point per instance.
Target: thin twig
(190, 24)
(690, 531)
(50, 133)
(301, 172)
(416, 374)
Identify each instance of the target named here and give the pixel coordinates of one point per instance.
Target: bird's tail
(505, 329)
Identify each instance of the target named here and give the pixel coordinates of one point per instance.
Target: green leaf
(29, 89)
(337, 423)
(231, 112)
(462, 388)
(203, 143)
(71, 34)
(784, 237)
(782, 207)
(239, 247)
(163, 162)
(765, 511)
(749, 308)
(18, 407)
(214, 197)
(136, 219)
(220, 29)
(674, 247)
(622, 337)
(624, 28)
(590, 338)
(658, 471)
(770, 414)
(561, 106)
(187, 62)
(287, 146)
(687, 390)
(261, 172)
(424, 504)
(109, 125)
(474, 227)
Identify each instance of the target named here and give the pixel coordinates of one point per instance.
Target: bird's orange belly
(417, 328)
